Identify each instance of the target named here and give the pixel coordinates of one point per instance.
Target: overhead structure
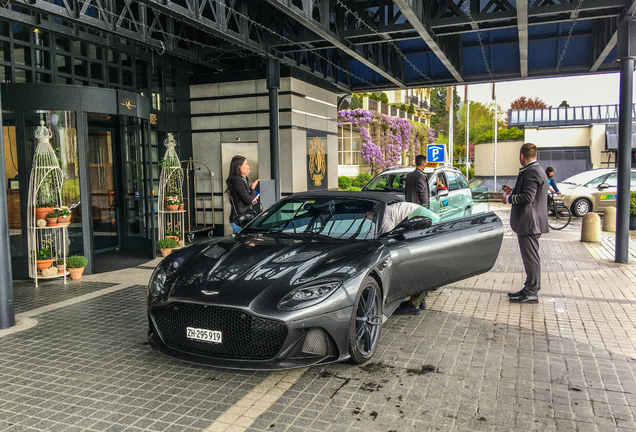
(355, 45)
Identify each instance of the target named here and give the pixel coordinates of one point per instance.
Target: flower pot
(63, 220)
(44, 264)
(173, 237)
(76, 273)
(61, 268)
(52, 222)
(181, 243)
(172, 207)
(42, 212)
(181, 207)
(165, 252)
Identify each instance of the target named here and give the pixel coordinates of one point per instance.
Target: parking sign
(435, 152)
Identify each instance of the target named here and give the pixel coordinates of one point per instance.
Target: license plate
(204, 335)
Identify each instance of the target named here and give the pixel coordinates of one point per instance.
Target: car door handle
(485, 229)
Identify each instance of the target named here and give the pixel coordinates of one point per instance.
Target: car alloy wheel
(581, 207)
(366, 320)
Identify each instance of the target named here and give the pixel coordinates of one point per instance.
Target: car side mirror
(603, 186)
(442, 193)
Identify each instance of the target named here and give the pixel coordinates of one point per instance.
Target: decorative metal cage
(170, 220)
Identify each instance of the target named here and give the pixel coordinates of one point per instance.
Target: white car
(593, 190)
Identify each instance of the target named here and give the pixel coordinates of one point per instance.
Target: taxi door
(605, 195)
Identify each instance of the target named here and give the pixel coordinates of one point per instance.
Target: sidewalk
(79, 360)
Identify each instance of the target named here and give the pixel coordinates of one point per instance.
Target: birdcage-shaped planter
(46, 238)
(171, 206)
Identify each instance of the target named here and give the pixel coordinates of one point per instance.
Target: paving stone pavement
(471, 362)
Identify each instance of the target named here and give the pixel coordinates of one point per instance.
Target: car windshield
(333, 217)
(585, 177)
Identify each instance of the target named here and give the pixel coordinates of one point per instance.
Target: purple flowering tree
(384, 138)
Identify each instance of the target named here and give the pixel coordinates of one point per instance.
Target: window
(453, 181)
(612, 180)
(348, 145)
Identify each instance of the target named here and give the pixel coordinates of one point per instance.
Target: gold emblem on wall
(317, 163)
(128, 104)
(153, 119)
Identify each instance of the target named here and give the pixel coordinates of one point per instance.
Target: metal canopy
(355, 45)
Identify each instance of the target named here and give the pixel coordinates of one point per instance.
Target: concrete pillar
(591, 228)
(609, 219)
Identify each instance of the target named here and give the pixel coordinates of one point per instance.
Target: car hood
(237, 271)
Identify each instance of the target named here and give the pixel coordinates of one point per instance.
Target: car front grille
(244, 335)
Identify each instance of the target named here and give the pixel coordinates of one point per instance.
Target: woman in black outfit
(242, 194)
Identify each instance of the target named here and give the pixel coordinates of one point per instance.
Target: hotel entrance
(101, 138)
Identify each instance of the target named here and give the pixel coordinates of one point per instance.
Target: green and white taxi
(450, 195)
(593, 190)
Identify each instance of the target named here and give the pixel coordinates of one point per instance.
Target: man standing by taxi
(416, 191)
(528, 219)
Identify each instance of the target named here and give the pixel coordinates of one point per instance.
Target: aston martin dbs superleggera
(310, 280)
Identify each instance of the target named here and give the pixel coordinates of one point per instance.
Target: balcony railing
(567, 116)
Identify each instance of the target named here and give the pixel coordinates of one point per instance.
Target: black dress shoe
(517, 294)
(525, 298)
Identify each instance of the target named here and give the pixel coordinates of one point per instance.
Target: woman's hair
(235, 170)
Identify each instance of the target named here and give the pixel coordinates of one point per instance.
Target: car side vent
(385, 264)
(317, 343)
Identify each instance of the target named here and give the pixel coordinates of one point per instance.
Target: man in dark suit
(416, 191)
(416, 184)
(528, 219)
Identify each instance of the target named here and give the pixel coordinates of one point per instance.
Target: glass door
(105, 212)
(136, 187)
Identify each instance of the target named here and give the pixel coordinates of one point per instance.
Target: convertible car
(309, 281)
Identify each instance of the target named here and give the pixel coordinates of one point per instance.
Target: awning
(611, 137)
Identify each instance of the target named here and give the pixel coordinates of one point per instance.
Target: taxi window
(597, 181)
(462, 181)
(453, 181)
(612, 180)
(633, 180)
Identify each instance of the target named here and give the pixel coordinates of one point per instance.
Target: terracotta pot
(61, 268)
(172, 207)
(44, 264)
(165, 252)
(64, 220)
(181, 243)
(173, 237)
(76, 273)
(51, 222)
(181, 207)
(42, 212)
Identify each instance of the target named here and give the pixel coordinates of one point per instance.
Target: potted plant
(64, 216)
(51, 218)
(75, 265)
(61, 265)
(166, 245)
(181, 205)
(172, 203)
(632, 210)
(44, 258)
(42, 210)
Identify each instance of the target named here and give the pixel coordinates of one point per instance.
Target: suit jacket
(242, 195)
(416, 188)
(529, 199)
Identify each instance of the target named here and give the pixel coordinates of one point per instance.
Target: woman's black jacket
(242, 195)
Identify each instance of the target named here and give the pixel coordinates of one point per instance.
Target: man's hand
(255, 199)
(507, 189)
(504, 199)
(254, 183)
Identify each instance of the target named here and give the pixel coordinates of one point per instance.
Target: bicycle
(559, 215)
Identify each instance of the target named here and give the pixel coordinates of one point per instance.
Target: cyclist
(552, 186)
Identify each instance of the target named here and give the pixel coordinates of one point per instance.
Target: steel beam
(414, 18)
(611, 43)
(305, 18)
(522, 31)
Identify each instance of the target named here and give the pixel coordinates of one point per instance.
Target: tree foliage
(439, 121)
(522, 103)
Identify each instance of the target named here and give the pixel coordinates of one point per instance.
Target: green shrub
(502, 135)
(167, 243)
(344, 182)
(76, 261)
(44, 254)
(632, 203)
(353, 188)
(60, 261)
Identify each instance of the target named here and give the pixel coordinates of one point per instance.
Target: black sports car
(309, 281)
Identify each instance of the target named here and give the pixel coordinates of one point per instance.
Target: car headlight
(157, 282)
(308, 295)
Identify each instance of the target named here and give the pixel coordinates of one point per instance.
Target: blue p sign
(435, 153)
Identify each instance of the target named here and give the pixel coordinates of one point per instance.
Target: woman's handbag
(241, 219)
